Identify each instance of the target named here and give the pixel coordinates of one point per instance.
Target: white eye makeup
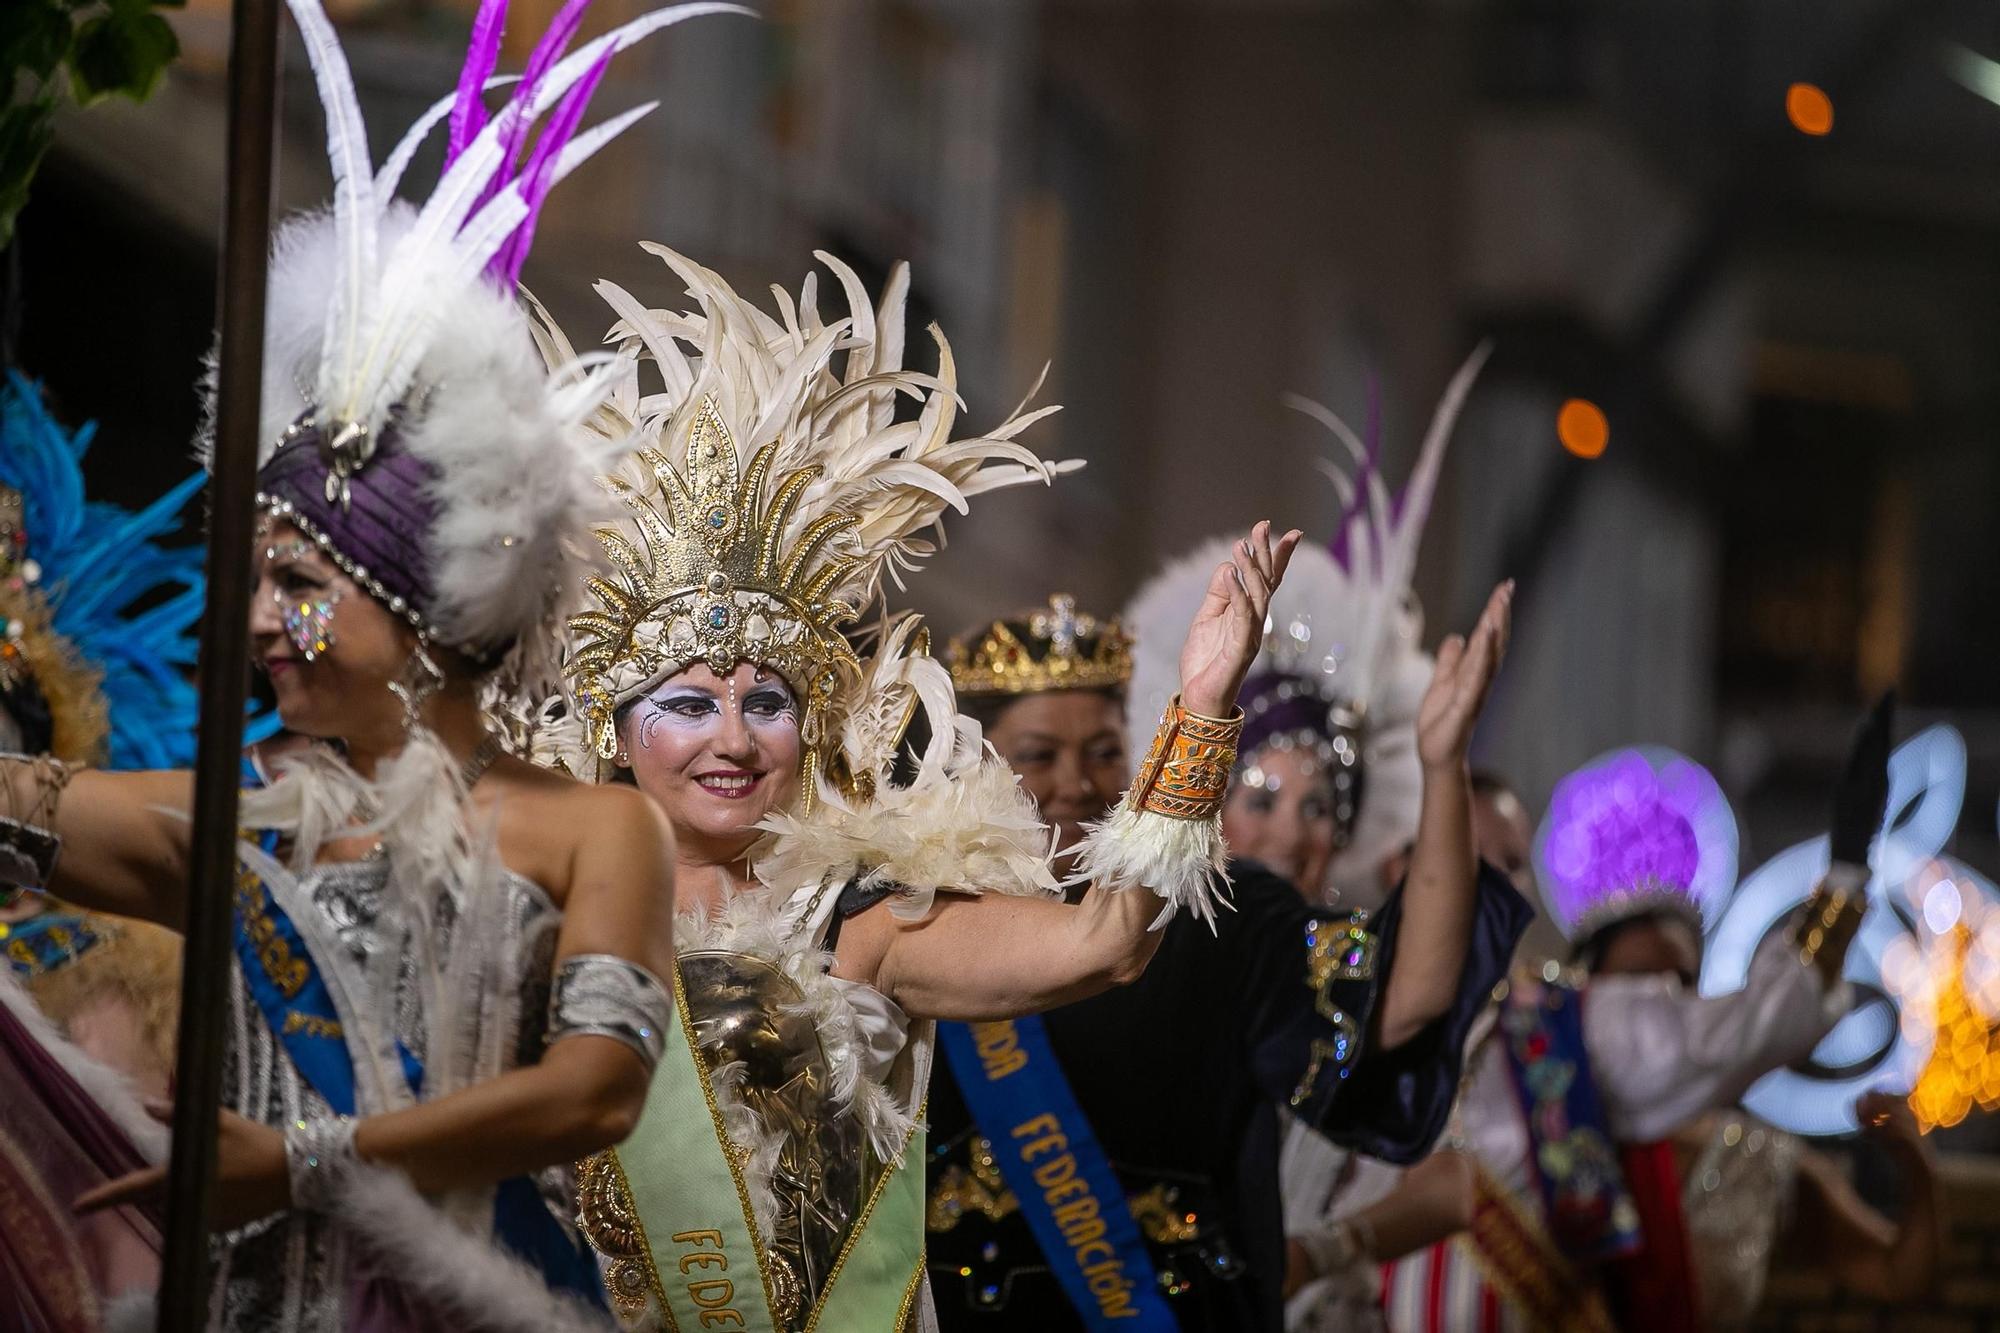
(691, 709)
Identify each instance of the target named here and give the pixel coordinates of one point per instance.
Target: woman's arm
(584, 1095)
(1863, 1251)
(1662, 1054)
(977, 958)
(124, 836)
(586, 1092)
(1438, 891)
(1432, 1202)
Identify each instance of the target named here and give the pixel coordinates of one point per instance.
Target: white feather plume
(1354, 631)
(785, 379)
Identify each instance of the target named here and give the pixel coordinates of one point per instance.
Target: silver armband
(319, 1155)
(601, 995)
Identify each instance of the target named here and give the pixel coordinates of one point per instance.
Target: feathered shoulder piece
(1635, 831)
(408, 427)
(959, 823)
(773, 490)
(99, 618)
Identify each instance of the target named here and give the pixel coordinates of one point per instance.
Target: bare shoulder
(556, 823)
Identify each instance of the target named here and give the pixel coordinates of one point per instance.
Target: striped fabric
(1441, 1290)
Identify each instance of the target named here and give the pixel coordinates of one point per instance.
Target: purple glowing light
(1636, 822)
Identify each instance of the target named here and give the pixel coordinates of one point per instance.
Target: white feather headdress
(1342, 671)
(407, 424)
(773, 490)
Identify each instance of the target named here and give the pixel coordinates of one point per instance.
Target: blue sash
(295, 1002)
(1590, 1212)
(1049, 1157)
(46, 941)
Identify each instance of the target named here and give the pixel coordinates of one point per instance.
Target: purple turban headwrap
(379, 537)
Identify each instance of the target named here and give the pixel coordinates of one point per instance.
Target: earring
(622, 759)
(309, 622)
(421, 679)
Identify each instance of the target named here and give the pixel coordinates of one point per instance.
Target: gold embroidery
(1158, 1213)
(1186, 773)
(274, 954)
(1342, 952)
(311, 1024)
(981, 1190)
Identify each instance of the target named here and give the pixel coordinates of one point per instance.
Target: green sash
(703, 1255)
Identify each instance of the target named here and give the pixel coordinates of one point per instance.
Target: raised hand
(1229, 628)
(1888, 1120)
(1457, 692)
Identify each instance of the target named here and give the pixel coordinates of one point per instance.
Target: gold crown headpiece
(768, 493)
(1055, 647)
(712, 580)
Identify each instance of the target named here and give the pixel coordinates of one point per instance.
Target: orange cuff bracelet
(1186, 773)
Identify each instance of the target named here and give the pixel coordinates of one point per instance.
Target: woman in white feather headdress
(1331, 781)
(446, 981)
(777, 1174)
(1342, 771)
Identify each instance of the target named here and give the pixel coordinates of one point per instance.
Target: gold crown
(1053, 648)
(713, 580)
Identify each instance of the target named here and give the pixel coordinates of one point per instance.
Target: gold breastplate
(759, 1043)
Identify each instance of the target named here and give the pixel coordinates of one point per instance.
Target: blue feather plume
(99, 565)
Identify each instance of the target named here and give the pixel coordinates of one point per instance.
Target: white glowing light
(1941, 906)
(1883, 1044)
(1973, 70)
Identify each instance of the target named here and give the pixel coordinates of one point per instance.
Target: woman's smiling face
(718, 753)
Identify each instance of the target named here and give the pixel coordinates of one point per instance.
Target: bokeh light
(1581, 427)
(1809, 109)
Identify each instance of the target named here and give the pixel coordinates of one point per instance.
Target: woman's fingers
(126, 1189)
(1448, 655)
(1286, 545)
(1260, 542)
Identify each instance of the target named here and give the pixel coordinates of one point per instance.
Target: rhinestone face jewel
(309, 622)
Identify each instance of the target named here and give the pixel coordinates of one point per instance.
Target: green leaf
(121, 53)
(34, 35)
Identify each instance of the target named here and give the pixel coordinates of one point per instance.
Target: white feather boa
(1182, 860)
(973, 831)
(459, 1275)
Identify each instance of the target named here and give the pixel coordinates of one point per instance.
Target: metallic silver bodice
(290, 1272)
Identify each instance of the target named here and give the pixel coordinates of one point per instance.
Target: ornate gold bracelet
(1186, 773)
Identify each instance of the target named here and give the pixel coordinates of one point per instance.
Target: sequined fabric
(1735, 1198)
(291, 1273)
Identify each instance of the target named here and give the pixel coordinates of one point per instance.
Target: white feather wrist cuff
(1182, 860)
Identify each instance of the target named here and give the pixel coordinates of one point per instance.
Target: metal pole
(224, 668)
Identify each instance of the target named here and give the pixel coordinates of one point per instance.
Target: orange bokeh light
(1809, 109)
(1581, 427)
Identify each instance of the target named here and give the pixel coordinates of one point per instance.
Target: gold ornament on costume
(711, 580)
(31, 652)
(1052, 648)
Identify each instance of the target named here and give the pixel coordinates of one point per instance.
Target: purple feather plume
(535, 177)
(1640, 820)
(538, 177)
(1357, 504)
(468, 111)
